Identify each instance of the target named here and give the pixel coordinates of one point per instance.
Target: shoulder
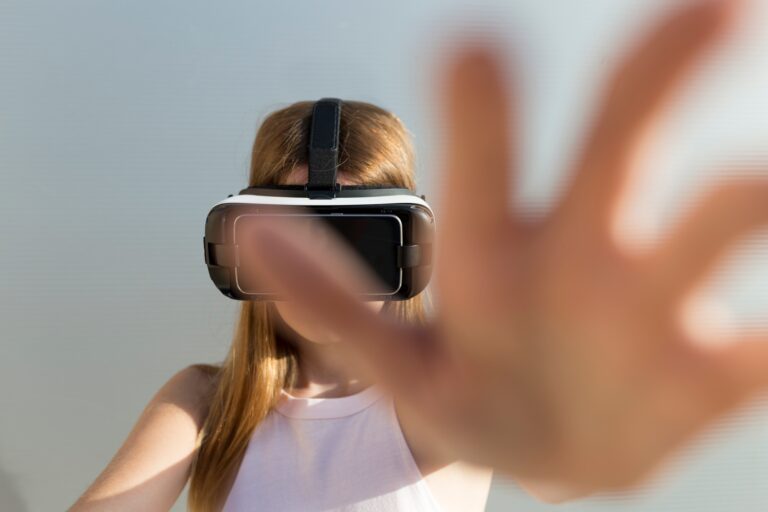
(193, 381)
(190, 389)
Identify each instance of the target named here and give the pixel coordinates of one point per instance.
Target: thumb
(322, 282)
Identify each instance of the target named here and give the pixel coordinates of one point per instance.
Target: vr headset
(390, 229)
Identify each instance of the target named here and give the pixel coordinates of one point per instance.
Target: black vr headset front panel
(376, 238)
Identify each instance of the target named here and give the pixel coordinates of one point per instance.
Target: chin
(298, 327)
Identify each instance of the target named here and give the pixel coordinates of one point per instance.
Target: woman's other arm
(151, 468)
(560, 350)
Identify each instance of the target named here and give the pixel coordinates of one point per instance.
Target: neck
(325, 371)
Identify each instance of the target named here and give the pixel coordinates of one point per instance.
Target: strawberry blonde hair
(374, 149)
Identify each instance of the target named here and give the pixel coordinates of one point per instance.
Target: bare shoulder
(190, 389)
(151, 467)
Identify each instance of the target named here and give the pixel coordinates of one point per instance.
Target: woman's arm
(150, 469)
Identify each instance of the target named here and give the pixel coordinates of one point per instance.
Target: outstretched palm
(556, 353)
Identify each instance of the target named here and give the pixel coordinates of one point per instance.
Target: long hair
(374, 148)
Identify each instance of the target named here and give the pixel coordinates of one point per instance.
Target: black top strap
(324, 148)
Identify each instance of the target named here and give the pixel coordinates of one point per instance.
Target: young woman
(283, 424)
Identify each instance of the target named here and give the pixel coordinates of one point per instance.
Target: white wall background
(121, 123)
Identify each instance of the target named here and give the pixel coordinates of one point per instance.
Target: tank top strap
(320, 408)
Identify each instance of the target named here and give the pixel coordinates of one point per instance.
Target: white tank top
(342, 454)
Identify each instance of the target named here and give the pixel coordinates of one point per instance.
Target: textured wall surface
(121, 123)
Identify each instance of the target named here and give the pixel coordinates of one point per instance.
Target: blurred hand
(556, 353)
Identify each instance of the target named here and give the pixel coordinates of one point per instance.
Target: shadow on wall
(10, 497)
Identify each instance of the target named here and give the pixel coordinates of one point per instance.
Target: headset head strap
(324, 149)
